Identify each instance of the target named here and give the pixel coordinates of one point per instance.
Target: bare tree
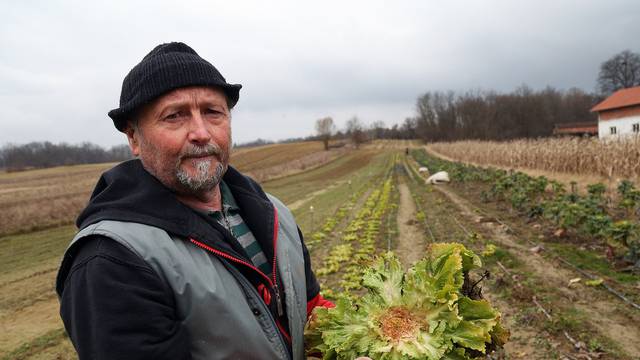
(325, 128)
(377, 129)
(356, 132)
(46, 154)
(620, 72)
(488, 115)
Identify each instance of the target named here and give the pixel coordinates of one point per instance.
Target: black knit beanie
(167, 67)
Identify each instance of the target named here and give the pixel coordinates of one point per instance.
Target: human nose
(198, 132)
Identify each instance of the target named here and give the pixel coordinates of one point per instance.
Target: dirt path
(411, 243)
(604, 315)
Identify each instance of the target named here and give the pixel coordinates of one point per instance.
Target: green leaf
(420, 314)
(470, 335)
(456, 354)
(594, 282)
(384, 279)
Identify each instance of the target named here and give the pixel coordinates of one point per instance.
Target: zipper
(285, 338)
(272, 282)
(273, 285)
(232, 258)
(276, 225)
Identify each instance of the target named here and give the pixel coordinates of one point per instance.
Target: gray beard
(179, 180)
(202, 181)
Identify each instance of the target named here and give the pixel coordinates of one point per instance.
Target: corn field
(610, 159)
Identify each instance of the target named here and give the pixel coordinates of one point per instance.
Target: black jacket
(113, 305)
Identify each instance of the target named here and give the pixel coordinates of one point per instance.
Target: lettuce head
(418, 314)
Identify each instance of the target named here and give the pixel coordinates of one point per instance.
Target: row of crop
(331, 222)
(342, 251)
(592, 215)
(366, 236)
(358, 240)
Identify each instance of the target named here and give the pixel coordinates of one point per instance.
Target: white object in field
(423, 169)
(439, 177)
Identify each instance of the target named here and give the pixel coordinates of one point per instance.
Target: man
(180, 256)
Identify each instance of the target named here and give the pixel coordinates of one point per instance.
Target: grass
(19, 252)
(45, 198)
(295, 187)
(39, 344)
(588, 260)
(576, 322)
(38, 199)
(271, 155)
(505, 258)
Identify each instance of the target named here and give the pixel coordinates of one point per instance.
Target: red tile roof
(619, 99)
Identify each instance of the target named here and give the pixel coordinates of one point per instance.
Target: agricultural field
(270, 161)
(42, 199)
(607, 161)
(557, 263)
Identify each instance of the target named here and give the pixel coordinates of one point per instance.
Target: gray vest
(224, 315)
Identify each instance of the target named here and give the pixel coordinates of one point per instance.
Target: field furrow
(552, 276)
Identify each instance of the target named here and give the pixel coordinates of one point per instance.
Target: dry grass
(611, 160)
(38, 199)
(295, 165)
(263, 157)
(291, 188)
(28, 304)
(41, 199)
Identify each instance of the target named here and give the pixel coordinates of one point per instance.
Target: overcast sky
(62, 62)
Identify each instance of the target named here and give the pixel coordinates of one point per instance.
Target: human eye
(173, 116)
(212, 111)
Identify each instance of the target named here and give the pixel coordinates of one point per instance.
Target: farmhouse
(588, 128)
(619, 114)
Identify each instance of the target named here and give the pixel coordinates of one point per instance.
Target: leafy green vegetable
(418, 314)
(594, 282)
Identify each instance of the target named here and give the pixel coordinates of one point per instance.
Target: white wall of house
(623, 126)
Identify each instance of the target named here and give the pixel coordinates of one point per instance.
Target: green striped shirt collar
(228, 202)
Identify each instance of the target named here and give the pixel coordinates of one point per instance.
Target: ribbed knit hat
(167, 67)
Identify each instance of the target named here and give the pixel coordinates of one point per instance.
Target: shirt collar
(228, 202)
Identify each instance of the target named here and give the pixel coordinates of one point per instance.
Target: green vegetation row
(357, 243)
(591, 216)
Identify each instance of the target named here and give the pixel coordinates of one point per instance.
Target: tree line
(522, 113)
(489, 115)
(46, 154)
(482, 115)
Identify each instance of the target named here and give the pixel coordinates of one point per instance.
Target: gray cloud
(62, 62)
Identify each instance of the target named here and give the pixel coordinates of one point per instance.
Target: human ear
(133, 138)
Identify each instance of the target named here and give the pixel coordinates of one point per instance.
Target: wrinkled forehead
(196, 94)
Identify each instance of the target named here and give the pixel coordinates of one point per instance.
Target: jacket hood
(128, 192)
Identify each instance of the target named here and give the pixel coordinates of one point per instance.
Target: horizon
(297, 62)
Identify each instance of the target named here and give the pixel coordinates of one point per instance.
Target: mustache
(205, 150)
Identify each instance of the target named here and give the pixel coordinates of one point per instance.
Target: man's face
(183, 139)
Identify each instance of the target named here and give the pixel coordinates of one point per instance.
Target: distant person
(179, 255)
